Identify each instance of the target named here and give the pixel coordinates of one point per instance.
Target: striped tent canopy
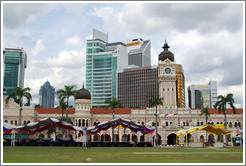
(45, 123)
(208, 128)
(125, 123)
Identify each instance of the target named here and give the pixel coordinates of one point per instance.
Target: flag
(165, 115)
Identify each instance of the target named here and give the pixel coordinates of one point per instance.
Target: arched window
(16, 122)
(221, 122)
(198, 123)
(142, 123)
(11, 122)
(86, 124)
(183, 123)
(201, 123)
(239, 124)
(79, 122)
(218, 122)
(95, 123)
(230, 124)
(212, 123)
(235, 125)
(208, 122)
(83, 123)
(6, 121)
(166, 123)
(28, 121)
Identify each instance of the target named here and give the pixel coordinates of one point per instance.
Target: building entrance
(171, 139)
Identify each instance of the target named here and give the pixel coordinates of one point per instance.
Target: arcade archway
(171, 139)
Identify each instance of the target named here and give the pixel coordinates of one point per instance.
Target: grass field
(39, 154)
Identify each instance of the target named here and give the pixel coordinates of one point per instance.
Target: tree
(205, 111)
(62, 105)
(221, 105)
(65, 93)
(155, 102)
(113, 104)
(19, 95)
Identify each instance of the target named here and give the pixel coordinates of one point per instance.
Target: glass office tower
(47, 95)
(15, 61)
(102, 64)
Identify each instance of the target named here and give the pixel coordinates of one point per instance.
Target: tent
(208, 128)
(45, 123)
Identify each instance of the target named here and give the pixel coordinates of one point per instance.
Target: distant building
(136, 86)
(15, 62)
(47, 95)
(103, 60)
(203, 95)
(139, 52)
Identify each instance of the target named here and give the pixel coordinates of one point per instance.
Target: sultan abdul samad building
(171, 116)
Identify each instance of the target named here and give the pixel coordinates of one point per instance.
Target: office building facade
(136, 86)
(103, 60)
(139, 52)
(47, 95)
(202, 95)
(15, 62)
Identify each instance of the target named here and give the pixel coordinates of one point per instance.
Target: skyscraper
(47, 95)
(202, 95)
(15, 62)
(139, 52)
(103, 60)
(136, 86)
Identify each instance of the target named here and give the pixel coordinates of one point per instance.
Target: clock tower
(167, 79)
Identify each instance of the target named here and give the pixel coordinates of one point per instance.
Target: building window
(6, 121)
(239, 124)
(201, 123)
(79, 122)
(230, 124)
(198, 123)
(83, 123)
(235, 125)
(166, 123)
(183, 123)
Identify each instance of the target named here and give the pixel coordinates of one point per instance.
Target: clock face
(167, 70)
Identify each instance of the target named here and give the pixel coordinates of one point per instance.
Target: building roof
(166, 54)
(110, 111)
(83, 94)
(228, 111)
(54, 111)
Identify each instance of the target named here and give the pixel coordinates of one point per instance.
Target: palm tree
(65, 93)
(205, 111)
(62, 105)
(221, 105)
(155, 102)
(19, 95)
(113, 104)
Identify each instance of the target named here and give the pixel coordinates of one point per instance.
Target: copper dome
(166, 54)
(83, 94)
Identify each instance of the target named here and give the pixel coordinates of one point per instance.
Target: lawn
(39, 154)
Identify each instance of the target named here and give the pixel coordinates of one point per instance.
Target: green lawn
(38, 154)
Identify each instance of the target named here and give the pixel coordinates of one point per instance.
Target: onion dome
(83, 94)
(166, 54)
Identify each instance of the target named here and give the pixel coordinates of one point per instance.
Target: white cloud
(74, 41)
(38, 48)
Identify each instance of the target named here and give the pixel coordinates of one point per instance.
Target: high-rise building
(171, 81)
(203, 95)
(103, 60)
(139, 52)
(47, 95)
(15, 62)
(136, 86)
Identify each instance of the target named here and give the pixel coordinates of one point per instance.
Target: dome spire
(165, 47)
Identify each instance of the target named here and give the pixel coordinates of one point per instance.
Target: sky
(206, 38)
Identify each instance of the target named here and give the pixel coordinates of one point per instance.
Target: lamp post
(156, 132)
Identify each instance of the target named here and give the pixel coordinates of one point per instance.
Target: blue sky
(206, 38)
